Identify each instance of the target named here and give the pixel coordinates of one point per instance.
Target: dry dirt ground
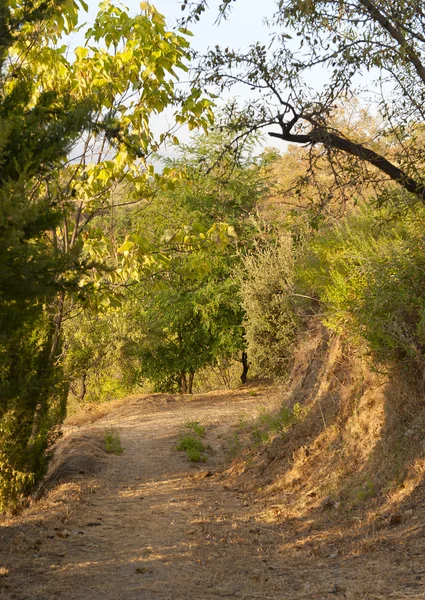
(148, 524)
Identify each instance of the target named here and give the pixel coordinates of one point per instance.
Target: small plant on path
(191, 442)
(197, 429)
(113, 442)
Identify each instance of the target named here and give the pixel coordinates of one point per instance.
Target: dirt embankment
(333, 508)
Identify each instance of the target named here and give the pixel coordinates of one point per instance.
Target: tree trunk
(245, 366)
(183, 382)
(83, 386)
(57, 320)
(190, 384)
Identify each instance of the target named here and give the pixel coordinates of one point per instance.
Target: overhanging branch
(330, 139)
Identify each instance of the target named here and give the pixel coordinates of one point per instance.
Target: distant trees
(187, 314)
(193, 316)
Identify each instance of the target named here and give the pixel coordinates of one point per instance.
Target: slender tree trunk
(183, 382)
(58, 325)
(245, 366)
(83, 386)
(46, 366)
(190, 383)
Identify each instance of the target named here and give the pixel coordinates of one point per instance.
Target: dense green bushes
(98, 363)
(32, 402)
(70, 150)
(369, 273)
(364, 275)
(270, 306)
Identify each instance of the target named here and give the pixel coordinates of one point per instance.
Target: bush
(193, 446)
(270, 424)
(196, 427)
(268, 299)
(113, 442)
(32, 404)
(191, 443)
(97, 361)
(370, 278)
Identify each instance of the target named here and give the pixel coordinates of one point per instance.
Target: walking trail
(151, 525)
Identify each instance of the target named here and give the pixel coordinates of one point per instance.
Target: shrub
(370, 278)
(198, 429)
(275, 423)
(191, 443)
(268, 299)
(32, 404)
(113, 442)
(194, 448)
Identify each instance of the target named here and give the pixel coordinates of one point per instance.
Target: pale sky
(244, 26)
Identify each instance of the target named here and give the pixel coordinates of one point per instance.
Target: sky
(244, 26)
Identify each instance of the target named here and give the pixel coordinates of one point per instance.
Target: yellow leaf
(81, 53)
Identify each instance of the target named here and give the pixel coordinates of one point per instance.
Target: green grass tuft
(191, 442)
(113, 442)
(197, 429)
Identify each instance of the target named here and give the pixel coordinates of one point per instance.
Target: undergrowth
(190, 441)
(265, 427)
(113, 442)
(364, 276)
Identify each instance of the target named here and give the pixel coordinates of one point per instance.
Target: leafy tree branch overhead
(345, 43)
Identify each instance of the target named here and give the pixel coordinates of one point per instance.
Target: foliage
(187, 327)
(265, 427)
(368, 274)
(306, 191)
(271, 424)
(190, 316)
(37, 125)
(337, 42)
(97, 363)
(192, 444)
(73, 131)
(364, 274)
(113, 442)
(198, 429)
(268, 298)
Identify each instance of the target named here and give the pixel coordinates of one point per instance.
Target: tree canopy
(114, 269)
(73, 130)
(343, 42)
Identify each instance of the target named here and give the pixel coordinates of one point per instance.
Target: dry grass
(90, 413)
(358, 454)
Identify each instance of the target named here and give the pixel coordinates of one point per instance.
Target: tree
(188, 315)
(37, 125)
(72, 131)
(345, 40)
(189, 325)
(193, 316)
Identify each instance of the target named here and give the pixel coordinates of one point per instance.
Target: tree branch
(319, 135)
(397, 35)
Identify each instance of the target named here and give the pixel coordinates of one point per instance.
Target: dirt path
(151, 525)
